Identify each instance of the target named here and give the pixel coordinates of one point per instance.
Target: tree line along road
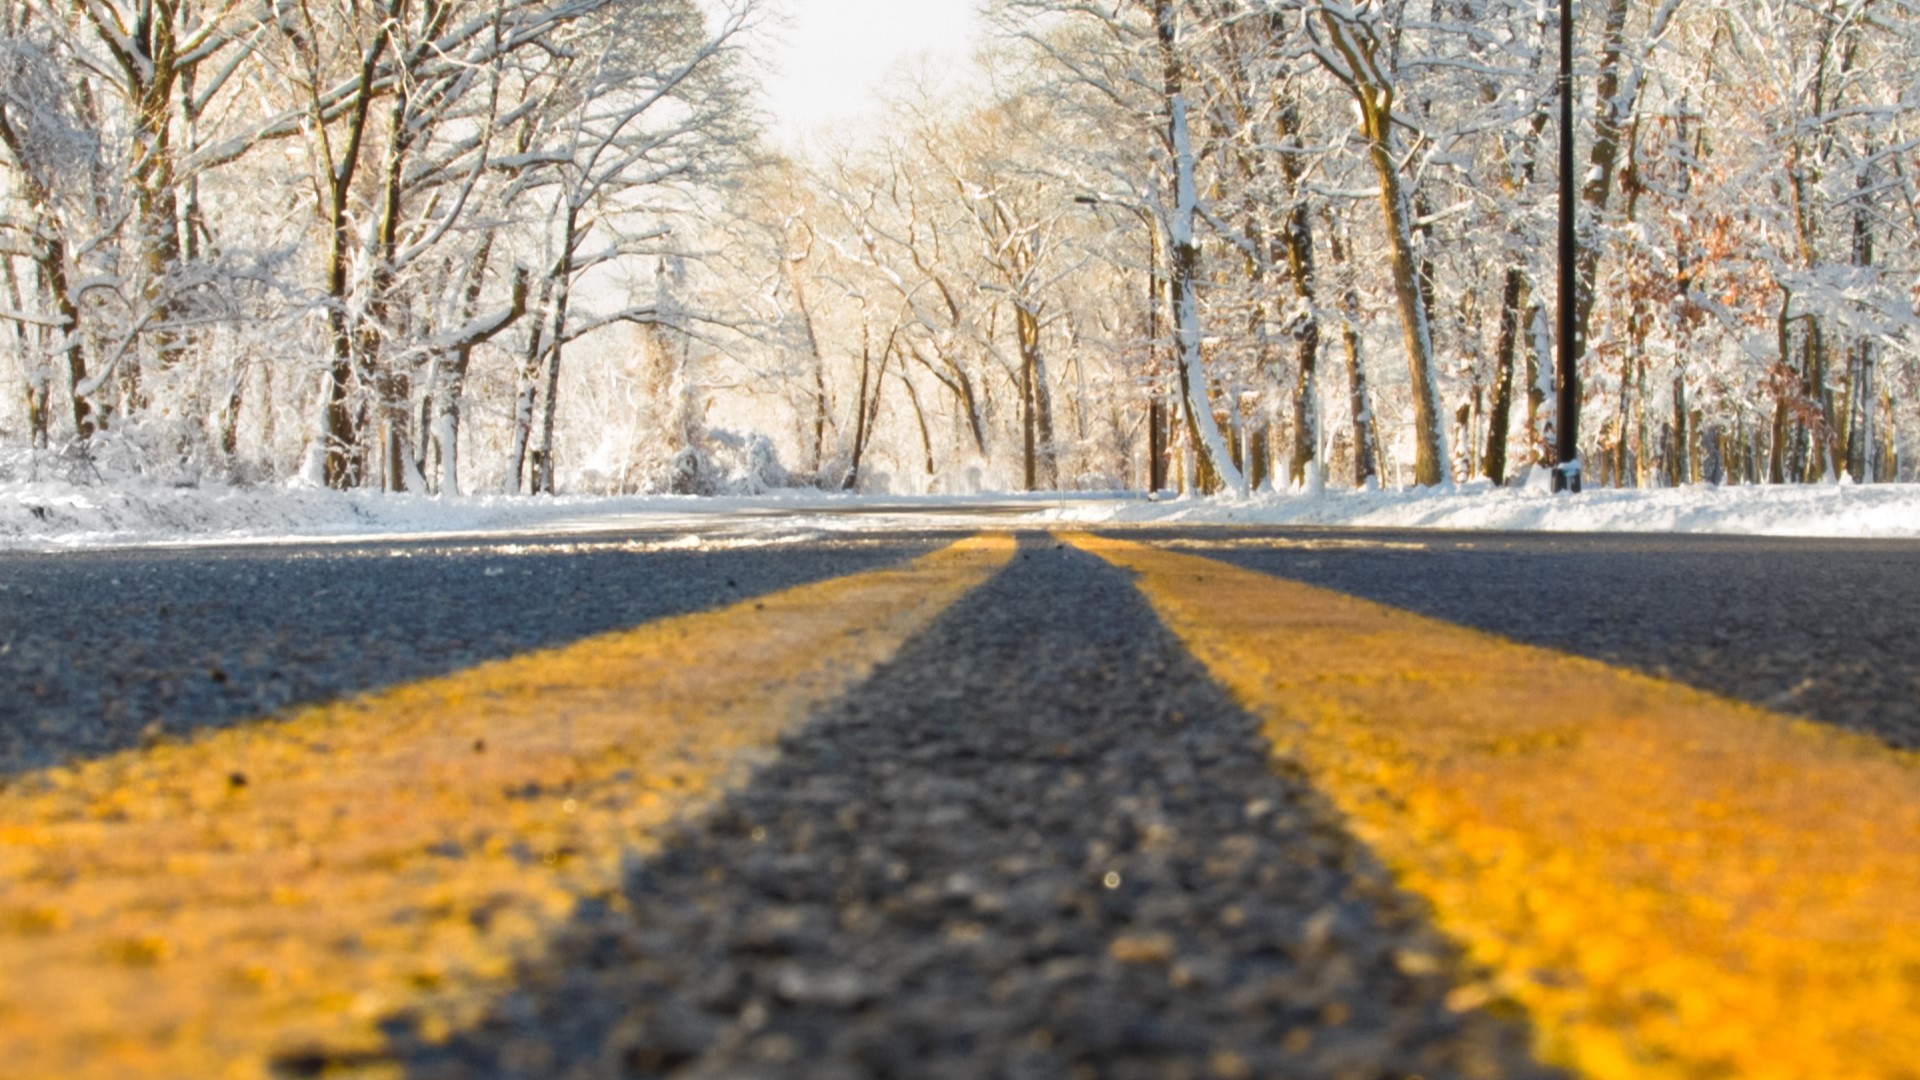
(1150, 803)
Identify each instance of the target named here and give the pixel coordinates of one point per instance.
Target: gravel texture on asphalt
(103, 651)
(1038, 843)
(1823, 629)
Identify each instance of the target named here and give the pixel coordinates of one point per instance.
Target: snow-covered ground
(1840, 510)
(52, 515)
(55, 516)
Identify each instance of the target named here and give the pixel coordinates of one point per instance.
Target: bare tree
(1354, 52)
(657, 109)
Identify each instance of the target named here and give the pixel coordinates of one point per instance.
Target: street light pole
(1566, 469)
(1156, 405)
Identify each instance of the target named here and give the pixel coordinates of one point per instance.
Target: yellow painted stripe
(1672, 884)
(199, 908)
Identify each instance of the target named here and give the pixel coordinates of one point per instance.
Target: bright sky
(835, 51)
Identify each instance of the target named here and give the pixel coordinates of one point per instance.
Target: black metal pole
(1156, 409)
(1566, 469)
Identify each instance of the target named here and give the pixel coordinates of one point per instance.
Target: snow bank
(1833, 510)
(56, 514)
(60, 515)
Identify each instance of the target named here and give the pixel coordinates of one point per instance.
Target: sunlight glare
(832, 54)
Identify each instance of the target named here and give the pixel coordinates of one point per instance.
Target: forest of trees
(454, 246)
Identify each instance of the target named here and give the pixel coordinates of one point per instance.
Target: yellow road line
(1672, 884)
(199, 908)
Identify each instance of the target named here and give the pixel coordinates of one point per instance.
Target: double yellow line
(1669, 884)
(199, 909)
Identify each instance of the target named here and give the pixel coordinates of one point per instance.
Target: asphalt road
(1824, 629)
(1038, 842)
(101, 651)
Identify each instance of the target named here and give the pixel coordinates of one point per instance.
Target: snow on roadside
(1829, 510)
(58, 516)
(62, 515)
(54, 515)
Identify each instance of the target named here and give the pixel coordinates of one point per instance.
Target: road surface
(1201, 802)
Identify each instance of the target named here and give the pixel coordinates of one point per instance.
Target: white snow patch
(51, 515)
(1830, 510)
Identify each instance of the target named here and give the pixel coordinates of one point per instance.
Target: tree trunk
(852, 479)
(39, 380)
(1681, 472)
(1202, 427)
(1374, 97)
(1889, 470)
(149, 60)
(543, 476)
(1156, 444)
(230, 412)
(340, 429)
(1296, 241)
(1515, 293)
(49, 253)
(1036, 403)
(1625, 459)
(1613, 110)
(1366, 452)
(556, 342)
(450, 381)
(1500, 416)
(1784, 385)
(393, 387)
(1860, 386)
(821, 408)
(1860, 433)
(339, 434)
(53, 270)
(529, 391)
(919, 414)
